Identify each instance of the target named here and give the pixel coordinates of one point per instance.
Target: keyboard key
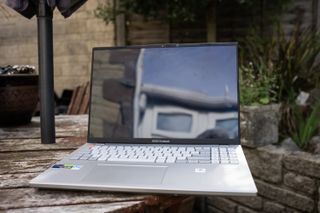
(93, 158)
(75, 157)
(170, 160)
(205, 161)
(193, 161)
(84, 157)
(103, 157)
(224, 161)
(215, 162)
(141, 160)
(161, 160)
(181, 161)
(199, 158)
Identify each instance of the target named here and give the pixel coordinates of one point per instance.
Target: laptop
(163, 119)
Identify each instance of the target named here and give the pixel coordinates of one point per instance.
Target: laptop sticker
(67, 166)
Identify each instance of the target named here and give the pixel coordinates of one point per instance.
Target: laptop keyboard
(159, 154)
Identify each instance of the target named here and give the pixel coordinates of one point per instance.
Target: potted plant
(276, 70)
(18, 94)
(260, 111)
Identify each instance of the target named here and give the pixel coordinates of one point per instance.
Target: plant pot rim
(260, 106)
(15, 75)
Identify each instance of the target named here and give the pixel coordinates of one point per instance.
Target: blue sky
(205, 69)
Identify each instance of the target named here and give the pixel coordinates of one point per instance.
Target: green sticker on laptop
(67, 166)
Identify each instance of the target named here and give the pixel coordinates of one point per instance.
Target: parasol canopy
(28, 8)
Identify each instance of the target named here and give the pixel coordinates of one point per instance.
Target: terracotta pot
(18, 98)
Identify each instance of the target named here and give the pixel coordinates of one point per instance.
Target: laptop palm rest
(125, 174)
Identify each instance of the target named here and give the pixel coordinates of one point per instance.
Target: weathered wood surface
(67, 143)
(66, 126)
(131, 206)
(22, 157)
(30, 197)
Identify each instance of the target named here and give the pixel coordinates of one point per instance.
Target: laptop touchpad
(126, 174)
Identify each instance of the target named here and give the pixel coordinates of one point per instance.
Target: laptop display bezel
(166, 140)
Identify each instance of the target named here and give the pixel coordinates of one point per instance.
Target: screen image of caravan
(177, 92)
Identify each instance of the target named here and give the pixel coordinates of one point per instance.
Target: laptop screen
(172, 94)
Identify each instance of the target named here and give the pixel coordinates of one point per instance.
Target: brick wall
(74, 38)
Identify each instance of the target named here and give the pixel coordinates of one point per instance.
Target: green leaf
(264, 100)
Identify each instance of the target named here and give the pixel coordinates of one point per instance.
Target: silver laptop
(163, 119)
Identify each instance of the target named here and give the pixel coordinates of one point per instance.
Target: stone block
(289, 145)
(70, 48)
(273, 207)
(212, 209)
(290, 210)
(96, 25)
(76, 69)
(222, 204)
(102, 37)
(74, 59)
(284, 196)
(254, 202)
(259, 125)
(26, 29)
(319, 200)
(300, 183)
(92, 5)
(303, 163)
(266, 162)
(71, 37)
(75, 26)
(314, 144)
(59, 28)
(8, 31)
(242, 209)
(83, 14)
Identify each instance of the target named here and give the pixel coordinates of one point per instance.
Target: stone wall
(287, 181)
(74, 38)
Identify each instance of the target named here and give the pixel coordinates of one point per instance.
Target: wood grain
(65, 126)
(30, 197)
(23, 157)
(132, 206)
(26, 162)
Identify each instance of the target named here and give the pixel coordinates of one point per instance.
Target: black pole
(45, 55)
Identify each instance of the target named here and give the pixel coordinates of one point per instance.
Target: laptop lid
(179, 94)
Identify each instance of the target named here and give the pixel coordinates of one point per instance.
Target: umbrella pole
(45, 56)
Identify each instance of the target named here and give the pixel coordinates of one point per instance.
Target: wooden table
(22, 157)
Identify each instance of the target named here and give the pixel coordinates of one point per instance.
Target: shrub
(304, 124)
(288, 64)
